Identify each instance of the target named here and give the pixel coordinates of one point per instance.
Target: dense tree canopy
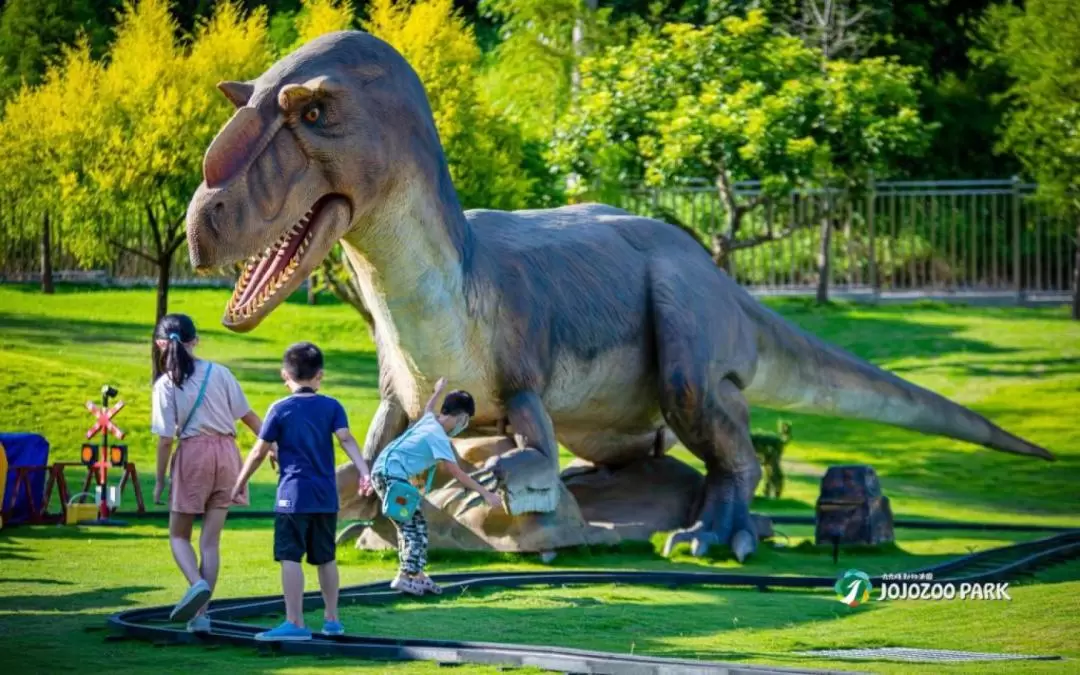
(701, 102)
(1039, 47)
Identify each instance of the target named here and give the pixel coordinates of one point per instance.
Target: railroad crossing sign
(104, 420)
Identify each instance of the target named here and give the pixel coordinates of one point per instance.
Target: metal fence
(21, 243)
(931, 236)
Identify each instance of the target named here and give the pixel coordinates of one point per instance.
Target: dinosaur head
(316, 143)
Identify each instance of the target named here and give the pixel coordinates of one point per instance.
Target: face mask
(459, 427)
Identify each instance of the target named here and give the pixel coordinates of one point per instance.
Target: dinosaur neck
(409, 256)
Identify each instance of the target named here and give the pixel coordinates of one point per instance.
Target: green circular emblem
(853, 588)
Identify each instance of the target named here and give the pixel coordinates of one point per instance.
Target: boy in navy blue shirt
(303, 426)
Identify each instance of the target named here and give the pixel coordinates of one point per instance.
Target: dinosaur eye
(312, 114)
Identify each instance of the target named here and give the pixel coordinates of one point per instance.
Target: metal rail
(151, 623)
(901, 523)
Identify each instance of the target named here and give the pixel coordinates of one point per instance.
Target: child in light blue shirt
(418, 450)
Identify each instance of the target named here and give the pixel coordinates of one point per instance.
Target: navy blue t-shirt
(303, 427)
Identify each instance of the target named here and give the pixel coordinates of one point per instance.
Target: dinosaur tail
(796, 371)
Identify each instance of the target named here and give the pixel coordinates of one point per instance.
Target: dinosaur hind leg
(709, 414)
(713, 424)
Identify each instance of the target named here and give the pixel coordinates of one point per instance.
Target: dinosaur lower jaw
(271, 273)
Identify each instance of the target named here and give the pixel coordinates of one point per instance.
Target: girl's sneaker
(406, 584)
(333, 628)
(286, 632)
(192, 601)
(427, 585)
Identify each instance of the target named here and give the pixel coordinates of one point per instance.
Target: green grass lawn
(1020, 367)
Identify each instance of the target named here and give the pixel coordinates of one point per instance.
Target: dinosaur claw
(743, 544)
(676, 538)
(472, 503)
(459, 493)
(483, 475)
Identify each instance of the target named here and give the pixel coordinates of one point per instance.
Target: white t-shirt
(223, 403)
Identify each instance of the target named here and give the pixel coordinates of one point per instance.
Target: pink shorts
(204, 470)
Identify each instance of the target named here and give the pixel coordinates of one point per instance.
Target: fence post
(871, 202)
(1017, 279)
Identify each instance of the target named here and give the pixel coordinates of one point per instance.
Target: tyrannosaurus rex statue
(584, 325)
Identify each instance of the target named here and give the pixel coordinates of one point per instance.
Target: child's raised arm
(352, 449)
(439, 386)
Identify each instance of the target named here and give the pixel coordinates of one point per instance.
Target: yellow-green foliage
(485, 153)
(118, 140)
(319, 17)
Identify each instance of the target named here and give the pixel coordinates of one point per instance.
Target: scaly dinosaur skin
(584, 324)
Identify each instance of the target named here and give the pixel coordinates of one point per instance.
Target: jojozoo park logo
(853, 588)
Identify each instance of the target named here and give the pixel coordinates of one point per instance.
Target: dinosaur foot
(525, 478)
(724, 519)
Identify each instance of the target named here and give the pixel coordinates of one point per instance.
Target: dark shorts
(300, 534)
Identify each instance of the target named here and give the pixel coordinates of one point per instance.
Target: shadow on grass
(11, 551)
(92, 598)
(97, 533)
(39, 329)
(1013, 367)
(35, 580)
(875, 337)
(344, 368)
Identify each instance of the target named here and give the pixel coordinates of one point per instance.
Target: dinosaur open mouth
(268, 272)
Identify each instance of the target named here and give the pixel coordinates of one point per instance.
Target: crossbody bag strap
(430, 478)
(198, 400)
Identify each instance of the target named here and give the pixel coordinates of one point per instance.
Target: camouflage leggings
(412, 536)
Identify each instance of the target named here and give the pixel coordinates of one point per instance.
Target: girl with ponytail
(196, 403)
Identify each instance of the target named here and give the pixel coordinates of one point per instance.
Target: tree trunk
(577, 42)
(311, 290)
(164, 265)
(348, 291)
(722, 242)
(46, 256)
(824, 257)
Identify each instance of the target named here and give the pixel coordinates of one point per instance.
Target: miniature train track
(994, 565)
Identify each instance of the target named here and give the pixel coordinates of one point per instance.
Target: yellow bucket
(78, 512)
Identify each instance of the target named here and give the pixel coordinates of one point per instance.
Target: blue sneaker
(286, 632)
(333, 628)
(200, 624)
(192, 601)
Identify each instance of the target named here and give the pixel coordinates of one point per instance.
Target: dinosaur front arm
(529, 476)
(388, 423)
(530, 421)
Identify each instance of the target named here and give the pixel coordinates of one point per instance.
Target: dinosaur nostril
(217, 216)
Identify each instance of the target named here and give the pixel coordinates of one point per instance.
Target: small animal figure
(770, 448)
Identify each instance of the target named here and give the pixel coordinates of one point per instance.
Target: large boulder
(657, 494)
